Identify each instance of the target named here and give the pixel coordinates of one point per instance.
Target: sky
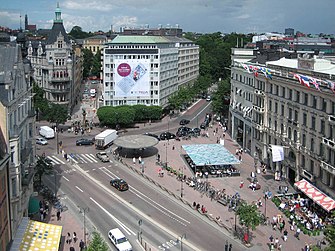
(204, 16)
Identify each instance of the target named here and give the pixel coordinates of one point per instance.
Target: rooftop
(139, 40)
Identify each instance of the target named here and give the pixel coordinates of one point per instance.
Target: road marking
(73, 159)
(135, 209)
(93, 156)
(196, 116)
(66, 178)
(125, 228)
(59, 160)
(88, 156)
(52, 160)
(81, 158)
(79, 189)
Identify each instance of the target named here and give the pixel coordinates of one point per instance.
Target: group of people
(44, 209)
(197, 207)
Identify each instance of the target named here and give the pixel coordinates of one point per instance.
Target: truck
(47, 132)
(105, 138)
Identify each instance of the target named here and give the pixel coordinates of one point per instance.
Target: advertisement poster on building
(132, 78)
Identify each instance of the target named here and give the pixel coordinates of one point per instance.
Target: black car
(119, 184)
(167, 136)
(152, 135)
(81, 142)
(184, 122)
(203, 125)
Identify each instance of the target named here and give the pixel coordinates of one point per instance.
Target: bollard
(226, 246)
(230, 247)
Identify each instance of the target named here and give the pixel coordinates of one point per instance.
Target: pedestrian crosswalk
(75, 157)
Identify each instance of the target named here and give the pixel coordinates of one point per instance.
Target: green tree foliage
(88, 61)
(125, 115)
(96, 64)
(330, 235)
(56, 114)
(78, 33)
(41, 104)
(249, 216)
(220, 99)
(43, 167)
(97, 243)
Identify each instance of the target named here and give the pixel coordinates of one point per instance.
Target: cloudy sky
(206, 16)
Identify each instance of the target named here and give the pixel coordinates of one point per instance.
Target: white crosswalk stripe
(78, 158)
(91, 156)
(53, 161)
(59, 160)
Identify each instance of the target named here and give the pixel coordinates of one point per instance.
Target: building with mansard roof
(57, 64)
(17, 119)
(278, 109)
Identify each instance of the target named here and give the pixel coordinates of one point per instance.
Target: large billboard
(132, 78)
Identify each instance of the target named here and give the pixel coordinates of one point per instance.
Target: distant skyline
(205, 16)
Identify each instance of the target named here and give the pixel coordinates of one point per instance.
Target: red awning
(316, 195)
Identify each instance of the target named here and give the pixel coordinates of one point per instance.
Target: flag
(304, 80)
(277, 153)
(315, 83)
(254, 69)
(267, 72)
(331, 85)
(246, 67)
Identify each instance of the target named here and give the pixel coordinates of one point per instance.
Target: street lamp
(84, 210)
(266, 190)
(181, 241)
(181, 182)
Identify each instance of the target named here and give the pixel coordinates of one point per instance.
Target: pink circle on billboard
(123, 69)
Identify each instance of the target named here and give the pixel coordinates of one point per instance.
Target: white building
(147, 69)
(279, 110)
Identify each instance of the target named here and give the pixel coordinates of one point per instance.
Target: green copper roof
(139, 40)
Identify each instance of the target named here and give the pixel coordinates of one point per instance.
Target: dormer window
(60, 44)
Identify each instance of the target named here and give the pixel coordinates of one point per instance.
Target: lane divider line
(79, 189)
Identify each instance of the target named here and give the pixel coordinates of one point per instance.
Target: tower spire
(58, 15)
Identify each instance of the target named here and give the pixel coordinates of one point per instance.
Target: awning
(316, 195)
(34, 205)
(35, 235)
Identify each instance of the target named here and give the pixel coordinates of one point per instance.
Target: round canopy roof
(135, 141)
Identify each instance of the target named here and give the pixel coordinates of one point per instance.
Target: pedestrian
(271, 239)
(281, 226)
(69, 239)
(134, 160)
(297, 233)
(241, 184)
(81, 245)
(72, 249)
(285, 235)
(280, 247)
(158, 157)
(58, 215)
(139, 160)
(44, 214)
(173, 147)
(307, 247)
(276, 242)
(74, 237)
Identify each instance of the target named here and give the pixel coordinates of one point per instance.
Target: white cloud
(10, 19)
(88, 5)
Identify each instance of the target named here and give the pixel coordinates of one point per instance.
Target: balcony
(329, 142)
(328, 167)
(15, 197)
(59, 80)
(55, 90)
(31, 113)
(331, 119)
(25, 152)
(258, 109)
(259, 127)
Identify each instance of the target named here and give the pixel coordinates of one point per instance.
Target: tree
(41, 104)
(249, 216)
(77, 32)
(220, 100)
(43, 167)
(87, 64)
(97, 243)
(56, 114)
(330, 235)
(96, 64)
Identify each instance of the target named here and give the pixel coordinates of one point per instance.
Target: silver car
(41, 141)
(103, 156)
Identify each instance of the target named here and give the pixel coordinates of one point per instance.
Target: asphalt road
(164, 219)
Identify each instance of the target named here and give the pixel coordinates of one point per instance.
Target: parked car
(208, 98)
(103, 156)
(184, 122)
(152, 135)
(119, 184)
(167, 136)
(81, 142)
(119, 240)
(183, 131)
(41, 141)
(203, 125)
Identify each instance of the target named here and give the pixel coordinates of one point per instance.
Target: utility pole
(84, 210)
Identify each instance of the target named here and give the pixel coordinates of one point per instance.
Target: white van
(93, 92)
(119, 240)
(47, 132)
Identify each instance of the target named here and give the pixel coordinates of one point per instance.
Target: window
(289, 133)
(324, 105)
(295, 136)
(314, 101)
(283, 92)
(14, 192)
(282, 110)
(276, 107)
(303, 140)
(296, 116)
(322, 127)
(290, 113)
(304, 119)
(321, 149)
(312, 144)
(277, 89)
(311, 167)
(297, 97)
(270, 105)
(305, 99)
(313, 123)
(303, 161)
(290, 94)
(60, 44)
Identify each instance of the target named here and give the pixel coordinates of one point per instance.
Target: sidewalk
(260, 237)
